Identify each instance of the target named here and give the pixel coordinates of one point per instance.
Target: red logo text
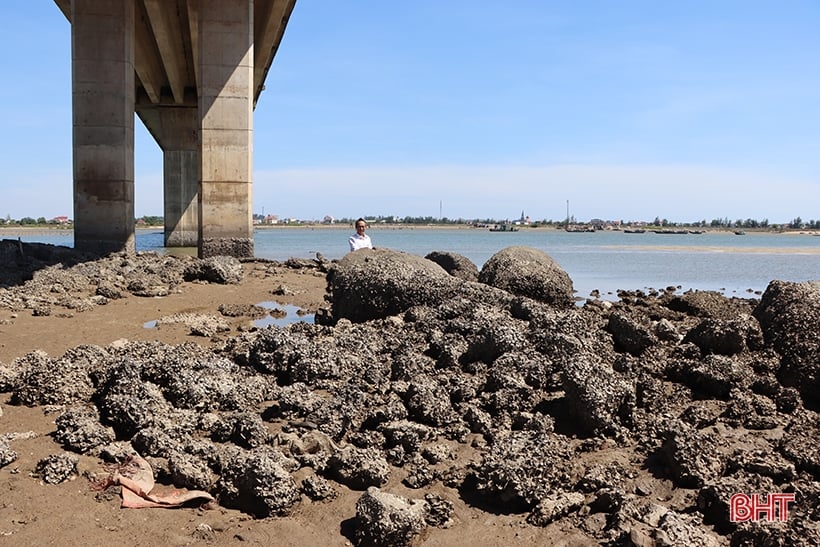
(772, 507)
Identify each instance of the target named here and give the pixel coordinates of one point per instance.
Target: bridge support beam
(226, 127)
(181, 194)
(102, 82)
(192, 71)
(176, 130)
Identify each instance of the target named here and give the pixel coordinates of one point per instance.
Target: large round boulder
(789, 315)
(528, 272)
(455, 264)
(376, 283)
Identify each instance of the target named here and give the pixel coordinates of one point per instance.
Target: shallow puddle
(291, 315)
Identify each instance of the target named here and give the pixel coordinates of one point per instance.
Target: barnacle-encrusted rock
(358, 468)
(318, 488)
(529, 272)
(57, 468)
(244, 429)
(710, 304)
(455, 264)
(257, 482)
(555, 506)
(8, 378)
(79, 429)
(646, 523)
(630, 335)
(693, 457)
(384, 519)
(521, 468)
(372, 283)
(712, 376)
(190, 471)
(599, 420)
(7, 455)
(598, 396)
(215, 269)
(726, 337)
(63, 381)
(789, 314)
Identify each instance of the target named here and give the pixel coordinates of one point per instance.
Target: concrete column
(176, 129)
(181, 194)
(226, 127)
(102, 81)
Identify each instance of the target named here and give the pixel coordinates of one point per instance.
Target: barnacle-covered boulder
(529, 272)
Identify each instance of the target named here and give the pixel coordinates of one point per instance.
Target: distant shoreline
(18, 231)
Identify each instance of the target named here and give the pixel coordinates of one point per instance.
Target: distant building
(524, 219)
(328, 220)
(60, 220)
(272, 219)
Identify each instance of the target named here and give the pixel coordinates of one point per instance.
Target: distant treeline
(146, 220)
(796, 224)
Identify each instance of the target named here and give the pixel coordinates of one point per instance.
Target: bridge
(192, 71)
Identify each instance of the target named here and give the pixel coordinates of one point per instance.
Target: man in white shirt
(360, 240)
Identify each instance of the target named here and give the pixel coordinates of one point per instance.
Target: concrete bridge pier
(176, 130)
(226, 100)
(102, 76)
(192, 70)
(181, 194)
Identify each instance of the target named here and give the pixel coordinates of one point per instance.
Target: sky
(623, 110)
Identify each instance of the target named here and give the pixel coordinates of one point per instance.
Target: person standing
(360, 240)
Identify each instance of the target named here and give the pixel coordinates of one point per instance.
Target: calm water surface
(606, 261)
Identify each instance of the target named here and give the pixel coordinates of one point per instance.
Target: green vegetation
(718, 223)
(66, 222)
(150, 221)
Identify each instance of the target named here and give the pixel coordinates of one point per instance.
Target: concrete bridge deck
(192, 70)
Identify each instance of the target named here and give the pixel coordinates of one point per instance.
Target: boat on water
(579, 228)
(505, 227)
(740, 233)
(636, 231)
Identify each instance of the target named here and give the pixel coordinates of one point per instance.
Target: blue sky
(481, 109)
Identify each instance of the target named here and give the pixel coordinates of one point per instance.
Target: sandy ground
(71, 513)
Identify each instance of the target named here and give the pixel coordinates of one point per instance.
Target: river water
(736, 265)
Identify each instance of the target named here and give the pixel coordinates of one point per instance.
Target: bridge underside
(192, 70)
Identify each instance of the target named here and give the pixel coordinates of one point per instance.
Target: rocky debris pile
(632, 422)
(65, 279)
(19, 261)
